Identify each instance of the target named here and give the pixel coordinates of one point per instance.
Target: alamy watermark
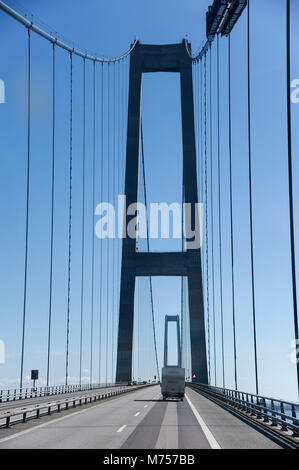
(295, 92)
(2, 352)
(2, 92)
(158, 220)
(294, 356)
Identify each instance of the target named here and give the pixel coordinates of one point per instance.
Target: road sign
(34, 375)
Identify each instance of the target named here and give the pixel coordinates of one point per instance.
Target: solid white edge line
(210, 438)
(121, 428)
(137, 414)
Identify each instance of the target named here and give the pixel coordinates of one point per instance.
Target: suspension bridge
(79, 292)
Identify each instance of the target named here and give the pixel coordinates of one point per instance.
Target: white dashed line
(122, 428)
(137, 414)
(145, 406)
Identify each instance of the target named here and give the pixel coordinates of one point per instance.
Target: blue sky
(108, 29)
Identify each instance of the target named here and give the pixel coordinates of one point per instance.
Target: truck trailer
(173, 382)
(173, 376)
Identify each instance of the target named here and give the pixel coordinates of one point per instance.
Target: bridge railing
(35, 411)
(30, 392)
(270, 410)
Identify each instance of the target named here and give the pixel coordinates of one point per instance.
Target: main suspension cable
(55, 40)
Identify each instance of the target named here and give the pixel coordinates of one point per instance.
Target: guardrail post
(58, 408)
(273, 414)
(258, 410)
(295, 421)
(265, 411)
(49, 410)
(1, 394)
(24, 417)
(247, 404)
(283, 425)
(38, 413)
(239, 401)
(252, 413)
(7, 421)
(242, 402)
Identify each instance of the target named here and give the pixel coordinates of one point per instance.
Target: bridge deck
(139, 420)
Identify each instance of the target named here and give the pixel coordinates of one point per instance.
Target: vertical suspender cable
(118, 183)
(113, 240)
(83, 218)
(231, 210)
(27, 206)
(198, 121)
(182, 277)
(148, 249)
(92, 218)
(250, 203)
(212, 219)
(206, 218)
(52, 217)
(108, 194)
(102, 194)
(290, 173)
(219, 213)
(70, 223)
(202, 156)
(202, 133)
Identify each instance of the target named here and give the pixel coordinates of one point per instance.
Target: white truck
(173, 382)
(173, 376)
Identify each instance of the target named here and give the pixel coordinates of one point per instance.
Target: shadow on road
(160, 399)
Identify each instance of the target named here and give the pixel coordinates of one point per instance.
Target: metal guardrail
(43, 409)
(25, 393)
(270, 410)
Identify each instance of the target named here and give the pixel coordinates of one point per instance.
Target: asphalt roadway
(139, 420)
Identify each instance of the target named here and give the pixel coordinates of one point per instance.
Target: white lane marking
(121, 428)
(54, 421)
(210, 438)
(137, 414)
(145, 406)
